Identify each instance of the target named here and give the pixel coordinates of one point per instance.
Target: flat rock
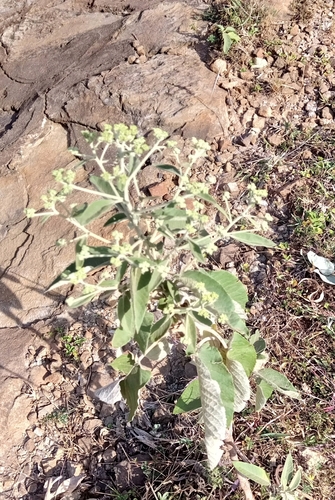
(14, 405)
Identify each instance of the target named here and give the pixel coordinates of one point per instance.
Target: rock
(258, 122)
(247, 117)
(233, 188)
(85, 444)
(281, 10)
(160, 189)
(295, 30)
(149, 175)
(311, 106)
(228, 83)
(265, 111)
(275, 139)
(279, 63)
(29, 445)
(229, 253)
(326, 113)
(91, 424)
(211, 179)
(53, 378)
(129, 474)
(38, 375)
(219, 66)
(247, 75)
(141, 60)
(109, 455)
(259, 63)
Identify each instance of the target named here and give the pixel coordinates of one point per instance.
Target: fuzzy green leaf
(159, 351)
(131, 385)
(241, 350)
(189, 399)
(86, 213)
(121, 337)
(211, 358)
(227, 42)
(241, 384)
(141, 284)
(142, 337)
(230, 298)
(213, 412)
(116, 218)
(124, 363)
(80, 301)
(159, 329)
(252, 472)
(196, 251)
(295, 481)
(169, 168)
(89, 264)
(263, 393)
(125, 313)
(287, 472)
(279, 382)
(232, 285)
(102, 185)
(252, 239)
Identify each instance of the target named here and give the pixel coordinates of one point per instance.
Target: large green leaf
(80, 301)
(102, 185)
(159, 329)
(196, 251)
(228, 303)
(142, 337)
(141, 285)
(232, 285)
(121, 337)
(287, 472)
(124, 363)
(118, 217)
(174, 218)
(241, 384)
(279, 382)
(296, 480)
(159, 351)
(241, 350)
(125, 312)
(211, 358)
(190, 398)
(86, 213)
(213, 413)
(89, 264)
(263, 393)
(169, 168)
(252, 239)
(131, 385)
(252, 472)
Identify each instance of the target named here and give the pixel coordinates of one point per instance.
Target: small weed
(164, 496)
(216, 478)
(60, 415)
(257, 88)
(72, 345)
(125, 495)
(187, 442)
